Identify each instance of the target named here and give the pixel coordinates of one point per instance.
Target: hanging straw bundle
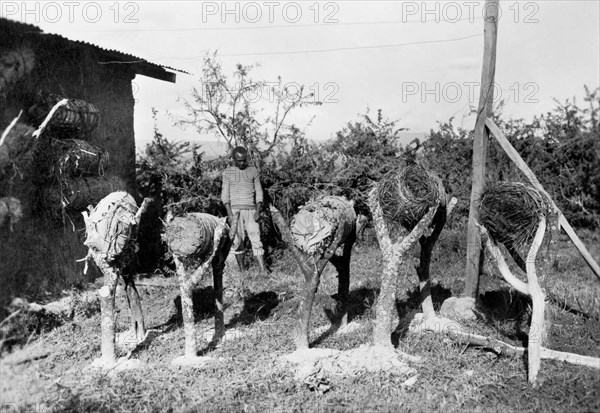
(510, 211)
(77, 117)
(190, 237)
(406, 195)
(314, 226)
(75, 157)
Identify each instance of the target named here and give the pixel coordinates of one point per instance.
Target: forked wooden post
(480, 146)
(540, 322)
(312, 275)
(107, 292)
(394, 254)
(189, 274)
(538, 330)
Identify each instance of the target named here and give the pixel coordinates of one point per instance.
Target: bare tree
(230, 108)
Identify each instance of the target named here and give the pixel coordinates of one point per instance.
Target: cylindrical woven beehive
(76, 117)
(314, 226)
(75, 157)
(190, 237)
(76, 194)
(511, 211)
(406, 195)
(110, 228)
(80, 192)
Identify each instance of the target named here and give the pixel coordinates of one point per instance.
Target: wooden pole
(480, 146)
(501, 347)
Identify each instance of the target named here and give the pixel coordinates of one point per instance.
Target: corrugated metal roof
(142, 65)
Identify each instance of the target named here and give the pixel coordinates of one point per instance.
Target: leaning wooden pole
(480, 146)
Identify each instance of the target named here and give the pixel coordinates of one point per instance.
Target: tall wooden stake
(480, 146)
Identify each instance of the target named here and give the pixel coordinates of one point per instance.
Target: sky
(420, 62)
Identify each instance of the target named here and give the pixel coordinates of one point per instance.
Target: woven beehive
(77, 193)
(111, 228)
(75, 157)
(76, 118)
(315, 224)
(190, 237)
(405, 196)
(511, 211)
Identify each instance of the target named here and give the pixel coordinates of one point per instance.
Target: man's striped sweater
(241, 188)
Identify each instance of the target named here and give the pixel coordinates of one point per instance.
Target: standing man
(242, 192)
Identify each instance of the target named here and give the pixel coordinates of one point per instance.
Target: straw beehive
(190, 237)
(510, 211)
(315, 224)
(406, 195)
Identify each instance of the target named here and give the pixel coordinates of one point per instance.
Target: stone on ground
(459, 308)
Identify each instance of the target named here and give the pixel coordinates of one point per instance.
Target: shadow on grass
(360, 302)
(203, 300)
(506, 312)
(412, 303)
(256, 307)
(509, 312)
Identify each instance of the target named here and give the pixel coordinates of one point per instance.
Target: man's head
(240, 157)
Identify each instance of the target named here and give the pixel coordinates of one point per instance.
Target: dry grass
(260, 314)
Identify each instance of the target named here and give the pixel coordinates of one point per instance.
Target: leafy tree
(175, 174)
(448, 152)
(562, 147)
(296, 173)
(365, 150)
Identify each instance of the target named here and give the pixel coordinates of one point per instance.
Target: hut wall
(40, 254)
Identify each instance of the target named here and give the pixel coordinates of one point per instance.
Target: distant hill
(214, 149)
(408, 137)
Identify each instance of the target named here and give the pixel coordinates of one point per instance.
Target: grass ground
(49, 373)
